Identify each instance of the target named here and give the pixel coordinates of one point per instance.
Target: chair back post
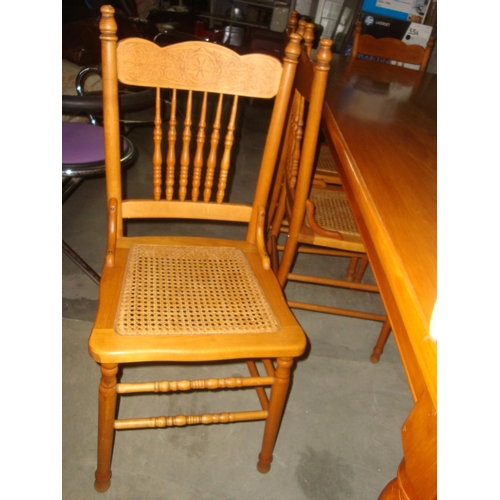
(294, 26)
(355, 41)
(301, 27)
(275, 133)
(309, 37)
(108, 37)
(427, 55)
(293, 21)
(310, 82)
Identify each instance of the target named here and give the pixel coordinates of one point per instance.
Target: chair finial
(301, 27)
(308, 35)
(324, 55)
(293, 20)
(107, 24)
(292, 49)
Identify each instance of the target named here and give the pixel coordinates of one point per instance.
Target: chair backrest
(207, 79)
(296, 166)
(391, 49)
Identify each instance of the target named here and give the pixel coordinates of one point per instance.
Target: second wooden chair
(315, 216)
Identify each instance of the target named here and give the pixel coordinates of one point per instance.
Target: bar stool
(83, 143)
(83, 157)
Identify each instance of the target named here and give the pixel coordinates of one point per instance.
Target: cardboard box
(408, 32)
(405, 10)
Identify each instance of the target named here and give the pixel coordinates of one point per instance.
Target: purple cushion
(82, 143)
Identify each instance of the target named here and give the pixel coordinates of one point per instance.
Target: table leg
(417, 472)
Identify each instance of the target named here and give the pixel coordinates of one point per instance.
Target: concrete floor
(340, 436)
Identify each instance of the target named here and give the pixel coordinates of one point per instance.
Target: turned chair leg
(382, 339)
(363, 264)
(107, 410)
(351, 269)
(274, 254)
(279, 393)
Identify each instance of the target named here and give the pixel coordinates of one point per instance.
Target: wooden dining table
(381, 123)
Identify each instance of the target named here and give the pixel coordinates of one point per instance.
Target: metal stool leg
(69, 187)
(73, 174)
(81, 263)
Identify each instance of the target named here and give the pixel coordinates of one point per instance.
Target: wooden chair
(391, 49)
(315, 216)
(192, 299)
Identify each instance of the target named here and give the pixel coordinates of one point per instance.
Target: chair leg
(274, 254)
(275, 230)
(351, 269)
(279, 393)
(363, 264)
(382, 339)
(69, 186)
(107, 410)
(80, 263)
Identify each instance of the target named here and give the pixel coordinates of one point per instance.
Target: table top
(382, 120)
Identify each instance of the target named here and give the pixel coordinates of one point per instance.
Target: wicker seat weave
(325, 161)
(332, 211)
(191, 290)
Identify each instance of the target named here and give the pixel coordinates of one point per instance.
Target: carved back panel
(197, 66)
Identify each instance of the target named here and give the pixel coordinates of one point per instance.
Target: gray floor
(340, 436)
